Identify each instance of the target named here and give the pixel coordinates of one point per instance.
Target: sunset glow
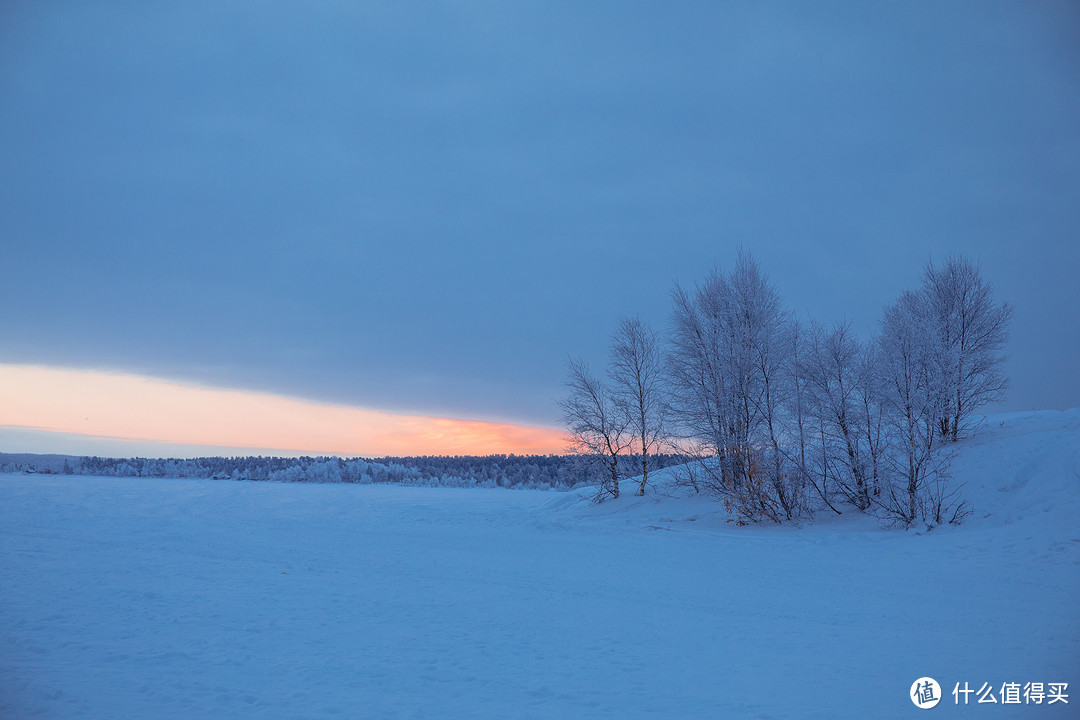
(131, 407)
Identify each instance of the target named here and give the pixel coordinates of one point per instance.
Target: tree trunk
(644, 473)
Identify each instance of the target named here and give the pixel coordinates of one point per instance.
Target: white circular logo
(925, 693)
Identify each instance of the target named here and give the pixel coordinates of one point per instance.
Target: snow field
(152, 598)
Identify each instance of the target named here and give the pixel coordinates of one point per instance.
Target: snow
(154, 598)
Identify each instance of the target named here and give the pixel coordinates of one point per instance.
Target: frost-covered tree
(636, 378)
(771, 411)
(597, 425)
(699, 382)
(831, 370)
(710, 378)
(972, 330)
(870, 390)
(730, 377)
(910, 363)
(782, 495)
(806, 429)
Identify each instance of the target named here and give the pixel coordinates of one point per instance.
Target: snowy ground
(139, 598)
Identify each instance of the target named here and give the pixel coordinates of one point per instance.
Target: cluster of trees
(533, 472)
(785, 417)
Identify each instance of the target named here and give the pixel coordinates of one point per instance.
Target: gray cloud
(425, 208)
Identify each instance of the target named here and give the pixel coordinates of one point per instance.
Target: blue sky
(424, 208)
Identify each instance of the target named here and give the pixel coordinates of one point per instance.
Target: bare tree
(774, 344)
(973, 331)
(698, 378)
(772, 413)
(911, 372)
(831, 371)
(597, 425)
(729, 372)
(869, 395)
(635, 373)
(807, 435)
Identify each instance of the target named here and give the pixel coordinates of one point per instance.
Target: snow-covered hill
(149, 598)
(1016, 467)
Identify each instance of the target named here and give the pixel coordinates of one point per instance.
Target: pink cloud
(91, 402)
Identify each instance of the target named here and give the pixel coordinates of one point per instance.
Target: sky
(413, 213)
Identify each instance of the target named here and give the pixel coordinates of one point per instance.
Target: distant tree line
(785, 417)
(533, 472)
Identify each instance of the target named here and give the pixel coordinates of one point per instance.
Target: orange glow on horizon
(132, 407)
